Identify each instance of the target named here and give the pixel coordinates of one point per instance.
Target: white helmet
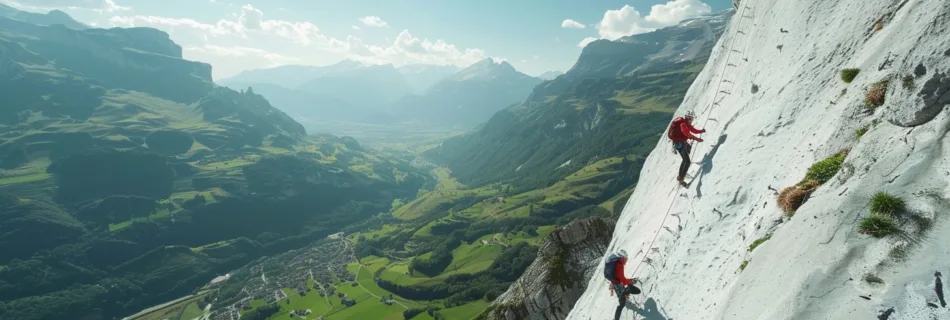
(622, 253)
(690, 114)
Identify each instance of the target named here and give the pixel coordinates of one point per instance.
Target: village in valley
(320, 271)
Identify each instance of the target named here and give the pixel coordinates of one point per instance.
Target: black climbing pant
(622, 293)
(683, 148)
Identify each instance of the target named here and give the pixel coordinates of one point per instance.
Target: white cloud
(221, 28)
(407, 48)
(46, 5)
(586, 41)
(628, 21)
(250, 20)
(239, 51)
(231, 43)
(373, 21)
(355, 27)
(251, 17)
(568, 23)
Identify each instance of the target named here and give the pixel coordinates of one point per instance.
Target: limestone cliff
(822, 187)
(549, 287)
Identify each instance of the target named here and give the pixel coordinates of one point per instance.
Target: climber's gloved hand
(702, 130)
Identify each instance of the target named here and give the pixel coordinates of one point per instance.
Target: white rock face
(816, 264)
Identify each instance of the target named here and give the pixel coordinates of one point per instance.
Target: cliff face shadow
(707, 164)
(650, 311)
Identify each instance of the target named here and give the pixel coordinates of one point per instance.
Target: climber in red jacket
(621, 285)
(681, 131)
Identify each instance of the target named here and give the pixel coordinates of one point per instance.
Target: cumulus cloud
(586, 41)
(230, 43)
(373, 21)
(249, 20)
(46, 5)
(568, 23)
(222, 27)
(628, 21)
(251, 17)
(355, 27)
(406, 48)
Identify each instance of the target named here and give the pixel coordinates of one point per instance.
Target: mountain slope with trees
(616, 100)
(122, 163)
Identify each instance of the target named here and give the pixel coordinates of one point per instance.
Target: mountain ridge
(127, 178)
(599, 104)
(469, 96)
(49, 18)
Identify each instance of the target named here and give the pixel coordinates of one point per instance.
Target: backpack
(675, 128)
(610, 265)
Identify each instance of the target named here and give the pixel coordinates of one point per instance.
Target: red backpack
(674, 132)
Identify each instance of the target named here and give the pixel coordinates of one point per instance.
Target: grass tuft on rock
(759, 242)
(878, 226)
(885, 204)
(791, 198)
(860, 132)
(848, 75)
(743, 265)
(875, 96)
(824, 170)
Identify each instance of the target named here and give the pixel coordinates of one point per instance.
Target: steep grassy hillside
(128, 179)
(616, 101)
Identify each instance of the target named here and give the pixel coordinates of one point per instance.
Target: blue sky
(236, 35)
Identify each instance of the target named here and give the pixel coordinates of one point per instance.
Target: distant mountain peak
(349, 63)
(490, 61)
(50, 18)
(550, 75)
(487, 69)
(423, 76)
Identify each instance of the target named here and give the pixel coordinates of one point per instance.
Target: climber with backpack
(680, 132)
(619, 284)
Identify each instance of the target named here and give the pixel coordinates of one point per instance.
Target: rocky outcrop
(552, 284)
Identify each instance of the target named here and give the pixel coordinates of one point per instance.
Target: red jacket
(618, 273)
(682, 130)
